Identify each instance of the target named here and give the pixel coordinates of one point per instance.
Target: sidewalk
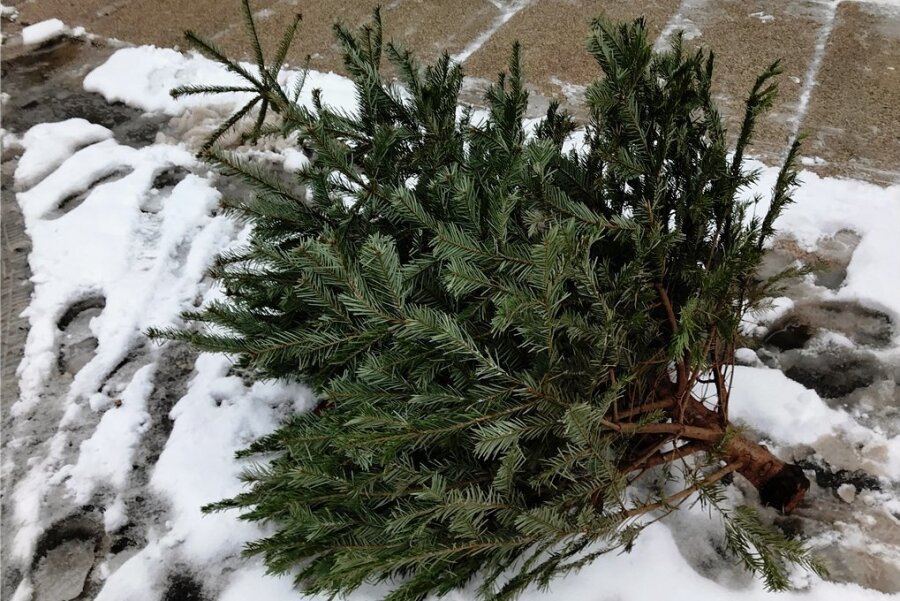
(841, 84)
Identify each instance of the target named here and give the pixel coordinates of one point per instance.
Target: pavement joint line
(812, 72)
(678, 22)
(508, 13)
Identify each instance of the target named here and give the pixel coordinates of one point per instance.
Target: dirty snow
(824, 206)
(148, 265)
(9, 12)
(144, 266)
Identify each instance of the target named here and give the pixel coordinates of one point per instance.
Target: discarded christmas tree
(508, 337)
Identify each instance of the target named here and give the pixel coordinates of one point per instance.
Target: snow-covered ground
(121, 239)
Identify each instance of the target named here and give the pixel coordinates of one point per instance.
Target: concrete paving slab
(746, 37)
(554, 34)
(853, 120)
(427, 26)
(161, 22)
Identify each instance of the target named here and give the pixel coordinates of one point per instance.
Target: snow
(145, 266)
(9, 12)
(142, 77)
(757, 321)
(218, 416)
(148, 266)
(43, 31)
(139, 286)
(823, 206)
(47, 145)
(812, 72)
(613, 577)
(785, 410)
(507, 11)
(792, 415)
(120, 428)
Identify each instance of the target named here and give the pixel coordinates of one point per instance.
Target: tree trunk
(781, 485)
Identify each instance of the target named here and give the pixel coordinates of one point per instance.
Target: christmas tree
(508, 335)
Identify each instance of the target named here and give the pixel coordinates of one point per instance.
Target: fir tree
(507, 336)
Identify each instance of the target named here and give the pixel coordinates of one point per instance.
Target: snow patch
(680, 23)
(792, 415)
(147, 268)
(762, 16)
(812, 72)
(508, 11)
(47, 145)
(9, 12)
(43, 31)
(142, 77)
(822, 207)
(107, 456)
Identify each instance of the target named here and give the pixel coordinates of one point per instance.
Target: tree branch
(681, 495)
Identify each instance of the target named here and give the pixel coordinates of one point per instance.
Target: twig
(680, 430)
(646, 408)
(639, 462)
(615, 405)
(679, 453)
(681, 495)
(680, 365)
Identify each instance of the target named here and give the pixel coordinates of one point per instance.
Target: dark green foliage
(472, 304)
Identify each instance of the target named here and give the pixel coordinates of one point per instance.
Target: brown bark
(780, 485)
